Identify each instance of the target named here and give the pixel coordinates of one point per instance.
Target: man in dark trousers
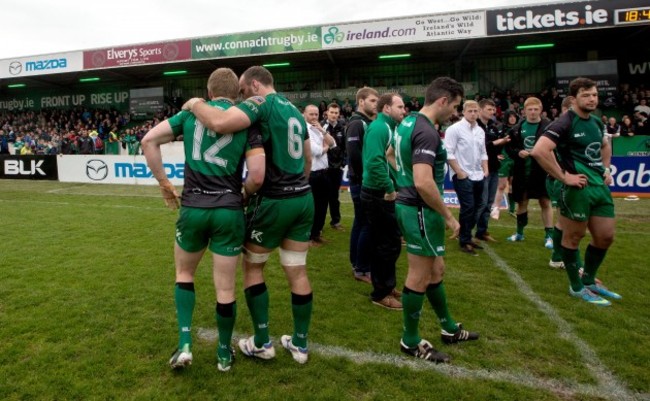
(359, 236)
(336, 161)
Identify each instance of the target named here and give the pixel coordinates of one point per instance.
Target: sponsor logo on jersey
(579, 134)
(592, 151)
(529, 142)
(258, 100)
(425, 151)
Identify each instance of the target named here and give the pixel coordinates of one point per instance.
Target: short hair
(364, 92)
(333, 106)
(310, 105)
(486, 102)
(566, 102)
(442, 87)
(470, 103)
(385, 99)
(223, 82)
(532, 101)
(258, 73)
(580, 83)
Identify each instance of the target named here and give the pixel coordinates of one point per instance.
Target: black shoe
(476, 245)
(424, 350)
(459, 336)
(469, 249)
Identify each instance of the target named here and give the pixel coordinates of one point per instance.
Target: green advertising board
(638, 145)
(268, 42)
(101, 98)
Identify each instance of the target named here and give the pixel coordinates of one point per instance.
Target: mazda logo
(96, 169)
(15, 68)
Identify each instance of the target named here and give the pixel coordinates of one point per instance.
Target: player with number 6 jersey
(280, 214)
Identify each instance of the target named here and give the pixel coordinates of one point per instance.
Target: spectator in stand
(113, 144)
(4, 143)
(642, 107)
(414, 105)
(19, 144)
(627, 128)
(85, 144)
(642, 124)
(347, 109)
(613, 128)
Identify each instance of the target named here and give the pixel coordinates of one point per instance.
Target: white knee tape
(253, 257)
(292, 258)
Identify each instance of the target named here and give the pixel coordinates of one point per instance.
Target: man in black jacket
(494, 143)
(336, 159)
(529, 179)
(359, 236)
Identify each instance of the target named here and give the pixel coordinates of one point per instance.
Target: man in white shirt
(468, 159)
(320, 142)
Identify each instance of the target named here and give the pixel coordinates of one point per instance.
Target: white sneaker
(299, 354)
(248, 348)
(181, 357)
(548, 243)
(556, 265)
(494, 213)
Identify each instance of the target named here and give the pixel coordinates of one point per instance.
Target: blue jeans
(470, 198)
(490, 185)
(359, 235)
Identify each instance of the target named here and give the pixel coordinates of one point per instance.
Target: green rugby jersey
(579, 141)
(213, 163)
(376, 169)
(284, 132)
(416, 140)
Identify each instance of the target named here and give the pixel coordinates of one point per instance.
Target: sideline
(608, 384)
(560, 388)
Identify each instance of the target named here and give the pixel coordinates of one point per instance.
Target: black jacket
(492, 133)
(354, 133)
(336, 156)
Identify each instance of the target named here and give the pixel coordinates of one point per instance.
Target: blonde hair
(532, 101)
(223, 82)
(470, 103)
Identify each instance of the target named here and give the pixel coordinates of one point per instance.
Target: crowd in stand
(99, 131)
(76, 131)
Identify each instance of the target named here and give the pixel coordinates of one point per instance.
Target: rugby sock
(257, 300)
(511, 203)
(185, 299)
(411, 310)
(593, 258)
(570, 256)
(548, 232)
(301, 306)
(438, 300)
(522, 221)
(226, 314)
(556, 256)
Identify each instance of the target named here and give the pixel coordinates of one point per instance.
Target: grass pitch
(87, 312)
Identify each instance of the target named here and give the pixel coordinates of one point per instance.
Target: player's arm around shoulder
(217, 120)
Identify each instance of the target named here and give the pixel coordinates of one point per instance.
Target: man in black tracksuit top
(336, 160)
(359, 236)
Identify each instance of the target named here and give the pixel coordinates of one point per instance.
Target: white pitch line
(363, 357)
(104, 206)
(607, 383)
